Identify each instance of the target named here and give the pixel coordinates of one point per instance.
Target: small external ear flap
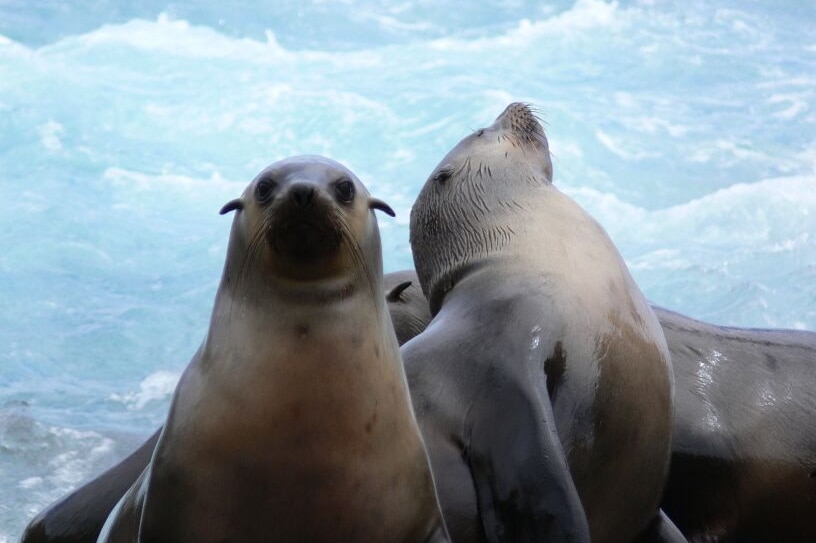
(374, 203)
(232, 205)
(394, 295)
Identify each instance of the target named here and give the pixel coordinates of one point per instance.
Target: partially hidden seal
(743, 465)
(406, 304)
(293, 421)
(543, 383)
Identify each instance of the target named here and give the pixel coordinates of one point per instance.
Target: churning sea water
(688, 130)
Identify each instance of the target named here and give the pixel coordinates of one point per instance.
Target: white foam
(783, 198)
(618, 148)
(44, 461)
(143, 181)
(655, 125)
(155, 387)
(50, 133)
(31, 482)
(389, 22)
(797, 103)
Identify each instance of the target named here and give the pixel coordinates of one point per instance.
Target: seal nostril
(303, 195)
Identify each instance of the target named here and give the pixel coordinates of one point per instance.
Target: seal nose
(302, 195)
(519, 118)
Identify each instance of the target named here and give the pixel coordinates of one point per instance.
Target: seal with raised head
(543, 383)
(293, 421)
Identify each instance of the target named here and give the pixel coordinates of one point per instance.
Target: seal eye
(345, 191)
(442, 175)
(263, 192)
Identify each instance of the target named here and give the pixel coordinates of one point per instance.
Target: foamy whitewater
(688, 131)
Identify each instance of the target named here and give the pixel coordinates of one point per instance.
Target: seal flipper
(79, 516)
(523, 484)
(439, 535)
(661, 530)
(122, 525)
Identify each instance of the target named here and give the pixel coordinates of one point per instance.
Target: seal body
(79, 516)
(743, 463)
(543, 383)
(293, 421)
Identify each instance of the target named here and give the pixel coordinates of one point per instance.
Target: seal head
(454, 221)
(299, 216)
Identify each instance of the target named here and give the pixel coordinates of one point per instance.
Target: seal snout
(304, 225)
(302, 194)
(520, 119)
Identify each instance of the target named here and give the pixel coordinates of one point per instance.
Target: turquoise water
(687, 130)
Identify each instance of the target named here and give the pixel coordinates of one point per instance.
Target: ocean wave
(45, 463)
(180, 39)
(742, 214)
(744, 255)
(686, 130)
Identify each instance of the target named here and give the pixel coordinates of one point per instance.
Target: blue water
(687, 130)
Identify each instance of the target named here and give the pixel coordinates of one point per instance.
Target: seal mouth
(304, 238)
(521, 120)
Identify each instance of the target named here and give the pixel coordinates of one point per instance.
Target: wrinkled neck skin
(484, 222)
(481, 201)
(514, 218)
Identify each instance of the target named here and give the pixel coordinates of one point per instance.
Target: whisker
(249, 256)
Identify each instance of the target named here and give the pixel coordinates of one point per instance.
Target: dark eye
(442, 175)
(345, 191)
(479, 133)
(263, 192)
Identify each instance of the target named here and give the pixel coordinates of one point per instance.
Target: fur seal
(293, 421)
(78, 517)
(543, 383)
(743, 465)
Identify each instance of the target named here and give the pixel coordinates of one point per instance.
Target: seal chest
(293, 420)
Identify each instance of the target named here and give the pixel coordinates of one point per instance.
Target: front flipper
(439, 535)
(661, 530)
(79, 516)
(523, 483)
(123, 524)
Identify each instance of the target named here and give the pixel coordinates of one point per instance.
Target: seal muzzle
(304, 226)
